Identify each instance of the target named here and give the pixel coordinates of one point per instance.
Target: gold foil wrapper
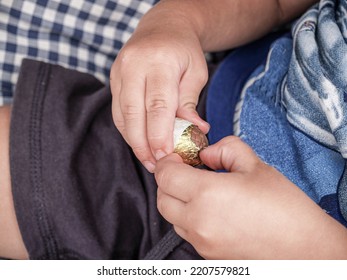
(190, 143)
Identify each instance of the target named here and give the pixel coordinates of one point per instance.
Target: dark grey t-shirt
(79, 191)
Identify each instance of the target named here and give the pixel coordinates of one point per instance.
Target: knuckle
(158, 110)
(188, 105)
(140, 150)
(166, 176)
(130, 112)
(159, 56)
(156, 141)
(202, 77)
(162, 176)
(127, 53)
(128, 60)
(156, 104)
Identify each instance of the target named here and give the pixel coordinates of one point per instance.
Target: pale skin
(11, 243)
(251, 212)
(160, 71)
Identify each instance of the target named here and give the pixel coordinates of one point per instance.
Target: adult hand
(158, 75)
(251, 212)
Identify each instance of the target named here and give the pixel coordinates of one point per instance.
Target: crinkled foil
(190, 143)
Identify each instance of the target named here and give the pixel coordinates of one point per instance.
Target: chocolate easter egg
(189, 140)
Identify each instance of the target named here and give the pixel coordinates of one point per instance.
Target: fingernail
(159, 154)
(149, 166)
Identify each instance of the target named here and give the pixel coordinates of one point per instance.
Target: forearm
(327, 239)
(11, 243)
(223, 24)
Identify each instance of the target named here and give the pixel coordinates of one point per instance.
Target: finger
(177, 179)
(117, 114)
(193, 81)
(187, 110)
(172, 209)
(231, 154)
(134, 114)
(161, 106)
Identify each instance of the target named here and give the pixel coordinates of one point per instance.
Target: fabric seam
(41, 215)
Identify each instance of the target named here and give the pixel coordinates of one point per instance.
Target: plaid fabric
(84, 35)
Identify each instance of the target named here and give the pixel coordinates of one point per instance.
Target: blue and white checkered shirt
(85, 35)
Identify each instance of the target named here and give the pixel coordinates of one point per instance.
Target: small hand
(251, 212)
(157, 76)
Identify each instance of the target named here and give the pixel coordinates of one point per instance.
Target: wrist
(169, 19)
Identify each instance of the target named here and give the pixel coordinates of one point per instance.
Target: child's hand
(161, 70)
(157, 75)
(252, 212)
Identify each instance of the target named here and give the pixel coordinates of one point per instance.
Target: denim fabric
(228, 81)
(313, 91)
(313, 166)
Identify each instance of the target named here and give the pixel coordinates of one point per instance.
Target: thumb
(230, 154)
